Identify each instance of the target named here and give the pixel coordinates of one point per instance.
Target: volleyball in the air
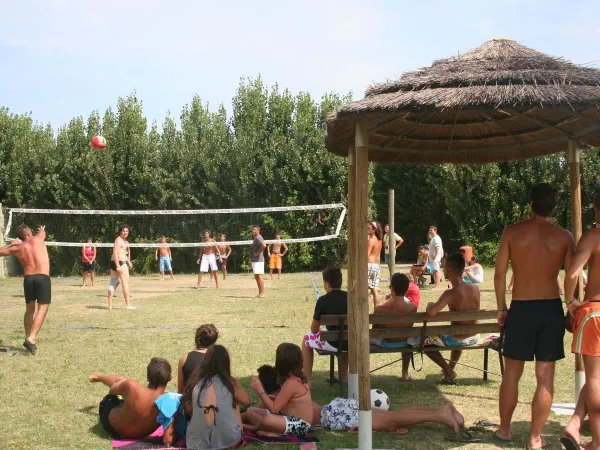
(379, 400)
(99, 142)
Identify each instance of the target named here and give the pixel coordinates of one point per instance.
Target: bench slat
(443, 316)
(386, 333)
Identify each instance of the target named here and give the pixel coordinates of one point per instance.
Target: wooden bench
(487, 323)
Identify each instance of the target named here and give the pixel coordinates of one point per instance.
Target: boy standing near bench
(335, 302)
(461, 297)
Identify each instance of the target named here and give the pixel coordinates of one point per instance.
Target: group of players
(31, 251)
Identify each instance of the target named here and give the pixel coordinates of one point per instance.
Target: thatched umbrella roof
(498, 102)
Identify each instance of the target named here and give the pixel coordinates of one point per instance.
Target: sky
(65, 58)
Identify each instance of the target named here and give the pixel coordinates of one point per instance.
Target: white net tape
(335, 225)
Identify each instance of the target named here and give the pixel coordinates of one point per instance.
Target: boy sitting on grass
(129, 410)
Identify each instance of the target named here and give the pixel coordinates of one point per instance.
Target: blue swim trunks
(165, 264)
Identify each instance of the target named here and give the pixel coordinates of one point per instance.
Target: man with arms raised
(208, 260)
(586, 332)
(31, 251)
(397, 303)
(257, 259)
(224, 251)
(461, 297)
(120, 263)
(129, 409)
(374, 255)
(436, 252)
(275, 256)
(165, 258)
(534, 326)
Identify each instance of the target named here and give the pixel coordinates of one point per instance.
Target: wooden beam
(418, 151)
(416, 318)
(403, 333)
(577, 229)
(361, 320)
(540, 122)
(503, 128)
(407, 132)
(391, 243)
(352, 300)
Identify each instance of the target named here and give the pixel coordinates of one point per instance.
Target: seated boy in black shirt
(335, 302)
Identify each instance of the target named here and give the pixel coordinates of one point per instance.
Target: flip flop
(484, 425)
(462, 436)
(452, 382)
(499, 439)
(570, 443)
(29, 346)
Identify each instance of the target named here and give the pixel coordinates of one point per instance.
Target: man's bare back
(537, 250)
(374, 249)
(33, 254)
(463, 297)
(137, 417)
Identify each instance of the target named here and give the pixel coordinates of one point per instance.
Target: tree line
(269, 151)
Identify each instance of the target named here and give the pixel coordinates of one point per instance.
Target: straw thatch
(497, 102)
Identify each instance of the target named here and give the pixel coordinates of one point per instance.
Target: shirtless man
(165, 258)
(134, 414)
(275, 256)
(396, 303)
(461, 297)
(120, 263)
(374, 255)
(586, 332)
(535, 325)
(224, 251)
(31, 251)
(207, 259)
(436, 252)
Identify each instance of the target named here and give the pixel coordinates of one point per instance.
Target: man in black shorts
(31, 251)
(534, 326)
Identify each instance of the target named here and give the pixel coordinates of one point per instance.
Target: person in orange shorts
(275, 256)
(586, 333)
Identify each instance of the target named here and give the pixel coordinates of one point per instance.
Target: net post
(2, 243)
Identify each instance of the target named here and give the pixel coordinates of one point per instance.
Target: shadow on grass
(99, 431)
(97, 306)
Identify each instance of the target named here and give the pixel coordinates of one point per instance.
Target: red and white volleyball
(99, 142)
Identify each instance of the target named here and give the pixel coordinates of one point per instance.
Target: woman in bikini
(290, 412)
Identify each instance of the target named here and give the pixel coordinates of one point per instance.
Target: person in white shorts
(208, 259)
(374, 255)
(257, 259)
(436, 251)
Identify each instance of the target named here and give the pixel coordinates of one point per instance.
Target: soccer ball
(379, 400)
(99, 142)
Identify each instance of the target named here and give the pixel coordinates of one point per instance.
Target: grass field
(46, 400)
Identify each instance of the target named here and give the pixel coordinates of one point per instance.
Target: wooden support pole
(3, 271)
(361, 318)
(392, 234)
(352, 269)
(577, 229)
